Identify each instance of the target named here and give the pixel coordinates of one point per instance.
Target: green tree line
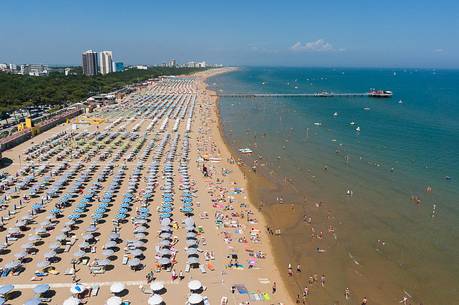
(17, 91)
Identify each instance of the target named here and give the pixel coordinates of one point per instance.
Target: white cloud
(320, 45)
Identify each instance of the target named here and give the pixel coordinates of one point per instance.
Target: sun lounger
(54, 272)
(36, 279)
(70, 271)
(202, 268)
(45, 300)
(125, 259)
(94, 290)
(206, 301)
(187, 268)
(146, 289)
(67, 248)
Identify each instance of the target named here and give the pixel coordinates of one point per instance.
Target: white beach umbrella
(71, 301)
(194, 285)
(195, 298)
(117, 287)
(155, 299)
(157, 286)
(114, 301)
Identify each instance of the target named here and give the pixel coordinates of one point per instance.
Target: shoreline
(252, 198)
(226, 149)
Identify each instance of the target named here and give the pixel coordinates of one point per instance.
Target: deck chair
(202, 268)
(95, 290)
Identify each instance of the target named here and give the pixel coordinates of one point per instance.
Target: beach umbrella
(50, 254)
(55, 211)
(54, 246)
(20, 255)
(121, 216)
(155, 299)
(74, 216)
(79, 253)
(165, 222)
(114, 235)
(165, 235)
(40, 230)
(139, 235)
(103, 262)
(189, 222)
(43, 264)
(165, 215)
(37, 206)
(114, 300)
(91, 228)
(108, 252)
(13, 230)
(195, 298)
(157, 286)
(140, 229)
(193, 260)
(138, 243)
(4, 289)
(164, 261)
(84, 244)
(191, 242)
(33, 301)
(192, 251)
(190, 235)
(27, 246)
(110, 244)
(122, 211)
(134, 262)
(42, 288)
(124, 205)
(71, 301)
(164, 243)
(61, 237)
(164, 252)
(117, 287)
(136, 252)
(77, 288)
(88, 236)
(194, 285)
(97, 216)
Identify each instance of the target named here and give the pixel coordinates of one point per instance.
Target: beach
(127, 168)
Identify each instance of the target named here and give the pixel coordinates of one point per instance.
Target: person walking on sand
(322, 280)
(347, 293)
(290, 270)
(298, 268)
(404, 300)
(364, 301)
(274, 287)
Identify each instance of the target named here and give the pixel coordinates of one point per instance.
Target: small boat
(318, 124)
(245, 150)
(352, 123)
(380, 93)
(335, 114)
(358, 128)
(367, 108)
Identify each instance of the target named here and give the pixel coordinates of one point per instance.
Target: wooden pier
(256, 95)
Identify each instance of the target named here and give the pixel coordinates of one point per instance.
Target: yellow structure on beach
(91, 121)
(28, 124)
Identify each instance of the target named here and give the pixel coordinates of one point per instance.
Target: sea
(364, 191)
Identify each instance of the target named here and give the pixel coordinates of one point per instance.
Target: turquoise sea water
(405, 144)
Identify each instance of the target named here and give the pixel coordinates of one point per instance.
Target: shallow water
(402, 148)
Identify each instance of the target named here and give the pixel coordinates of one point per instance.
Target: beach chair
(125, 260)
(187, 268)
(206, 301)
(202, 268)
(70, 271)
(67, 248)
(45, 300)
(94, 290)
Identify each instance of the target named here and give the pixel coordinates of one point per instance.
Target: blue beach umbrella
(34, 301)
(187, 210)
(121, 216)
(36, 206)
(106, 200)
(124, 205)
(55, 211)
(165, 210)
(74, 216)
(122, 211)
(165, 215)
(167, 200)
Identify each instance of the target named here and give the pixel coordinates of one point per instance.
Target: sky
(353, 33)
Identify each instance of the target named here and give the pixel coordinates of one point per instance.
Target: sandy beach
(136, 203)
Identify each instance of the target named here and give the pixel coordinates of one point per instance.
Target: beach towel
(241, 289)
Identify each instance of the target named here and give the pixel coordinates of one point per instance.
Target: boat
(318, 124)
(335, 114)
(380, 93)
(358, 128)
(245, 150)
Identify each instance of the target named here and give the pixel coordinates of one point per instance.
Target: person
(322, 280)
(305, 291)
(364, 301)
(290, 270)
(347, 293)
(274, 287)
(181, 276)
(404, 300)
(298, 268)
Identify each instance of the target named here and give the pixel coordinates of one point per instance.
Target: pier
(328, 94)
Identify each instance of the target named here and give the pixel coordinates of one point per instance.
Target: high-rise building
(90, 63)
(106, 62)
(118, 66)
